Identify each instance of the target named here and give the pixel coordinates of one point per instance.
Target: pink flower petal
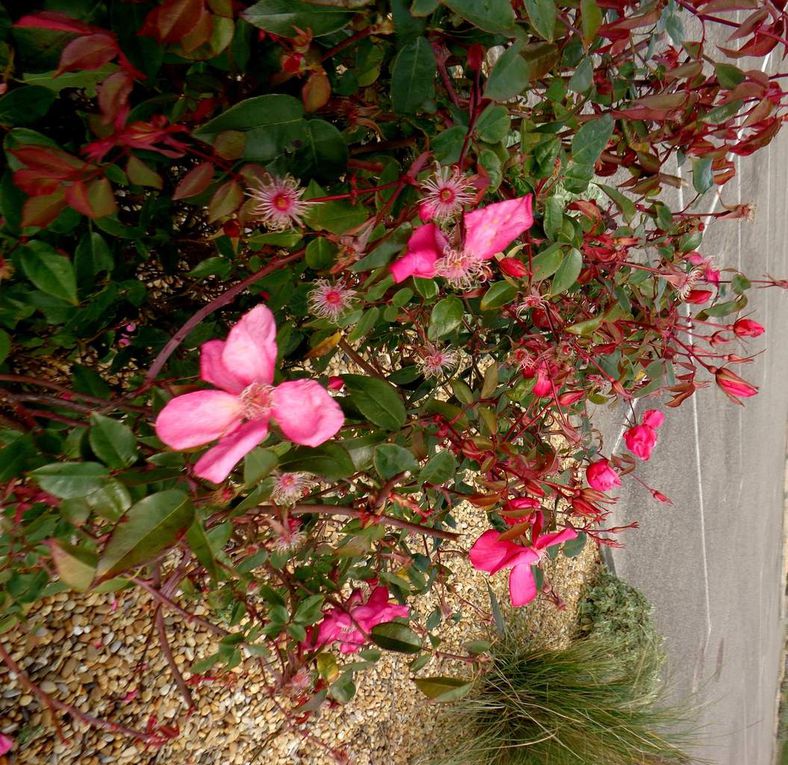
(522, 586)
(250, 351)
(488, 552)
(425, 246)
(305, 412)
(556, 538)
(653, 417)
(213, 370)
(6, 744)
(378, 610)
(491, 229)
(218, 462)
(197, 418)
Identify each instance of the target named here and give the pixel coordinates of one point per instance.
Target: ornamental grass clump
(279, 291)
(591, 703)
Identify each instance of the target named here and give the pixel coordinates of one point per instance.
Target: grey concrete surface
(712, 562)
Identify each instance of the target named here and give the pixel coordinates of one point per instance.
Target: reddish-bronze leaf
(89, 52)
(42, 210)
(195, 181)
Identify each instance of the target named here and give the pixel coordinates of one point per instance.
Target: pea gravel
(90, 651)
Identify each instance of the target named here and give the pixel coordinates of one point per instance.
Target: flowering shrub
(430, 234)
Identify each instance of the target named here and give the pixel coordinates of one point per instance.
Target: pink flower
(6, 744)
(641, 439)
(279, 204)
(601, 476)
(330, 301)
(747, 328)
(434, 362)
(487, 232)
(446, 192)
(290, 487)
(492, 554)
(238, 414)
(733, 385)
(350, 627)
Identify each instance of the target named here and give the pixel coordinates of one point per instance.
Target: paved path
(711, 564)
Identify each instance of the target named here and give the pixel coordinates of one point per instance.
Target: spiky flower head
(291, 487)
(435, 362)
(446, 192)
(278, 202)
(462, 269)
(330, 301)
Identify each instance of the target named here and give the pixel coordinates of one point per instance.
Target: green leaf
(509, 77)
(497, 295)
(112, 442)
(25, 105)
(320, 253)
(330, 461)
(258, 463)
(440, 469)
(413, 76)
(494, 124)
(91, 256)
(75, 566)
(447, 145)
(423, 7)
(720, 114)
(495, 607)
(567, 272)
(200, 544)
(5, 345)
(271, 124)
(547, 262)
(702, 177)
(728, 75)
(591, 20)
(337, 217)
(591, 139)
(377, 400)
(151, 525)
(394, 636)
(443, 688)
(50, 272)
(583, 77)
(323, 153)
(494, 16)
(67, 480)
(343, 689)
(446, 317)
(110, 500)
(391, 459)
(553, 217)
(574, 547)
(542, 15)
(286, 17)
(626, 205)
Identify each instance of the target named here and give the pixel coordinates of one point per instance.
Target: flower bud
(601, 476)
(734, 385)
(513, 267)
(747, 328)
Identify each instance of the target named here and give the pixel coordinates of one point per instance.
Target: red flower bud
(475, 57)
(747, 328)
(734, 385)
(513, 267)
(232, 228)
(698, 297)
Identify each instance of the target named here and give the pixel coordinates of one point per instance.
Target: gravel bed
(90, 651)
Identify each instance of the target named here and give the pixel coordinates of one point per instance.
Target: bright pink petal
(425, 246)
(488, 552)
(218, 462)
(305, 412)
(213, 370)
(6, 744)
(198, 418)
(556, 538)
(522, 586)
(495, 227)
(250, 351)
(653, 417)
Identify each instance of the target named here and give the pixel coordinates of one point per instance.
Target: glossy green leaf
(150, 526)
(413, 76)
(5, 345)
(702, 176)
(70, 479)
(394, 636)
(287, 18)
(591, 139)
(75, 566)
(497, 295)
(567, 272)
(490, 15)
(391, 459)
(542, 15)
(50, 272)
(547, 262)
(443, 688)
(509, 76)
(329, 460)
(446, 317)
(112, 441)
(377, 400)
(591, 20)
(440, 469)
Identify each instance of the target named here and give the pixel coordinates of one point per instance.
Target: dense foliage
(386, 254)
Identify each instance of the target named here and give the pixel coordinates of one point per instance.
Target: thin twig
(351, 512)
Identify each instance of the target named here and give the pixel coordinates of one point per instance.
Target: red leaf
(226, 199)
(173, 20)
(113, 96)
(34, 184)
(42, 210)
(194, 182)
(94, 199)
(199, 34)
(52, 162)
(90, 52)
(57, 22)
